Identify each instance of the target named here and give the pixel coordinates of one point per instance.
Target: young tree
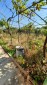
(6, 24)
(21, 9)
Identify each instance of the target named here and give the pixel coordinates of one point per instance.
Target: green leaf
(45, 81)
(20, 6)
(1, 23)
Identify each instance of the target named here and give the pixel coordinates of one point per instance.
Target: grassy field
(33, 59)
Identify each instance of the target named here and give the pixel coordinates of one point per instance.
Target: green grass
(2, 42)
(9, 51)
(45, 81)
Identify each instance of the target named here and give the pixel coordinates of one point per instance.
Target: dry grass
(24, 40)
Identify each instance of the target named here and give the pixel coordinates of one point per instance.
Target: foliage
(37, 31)
(20, 5)
(39, 4)
(38, 43)
(30, 44)
(2, 42)
(21, 60)
(45, 81)
(8, 50)
(44, 30)
(3, 23)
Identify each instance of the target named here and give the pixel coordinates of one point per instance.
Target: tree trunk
(10, 35)
(11, 39)
(44, 47)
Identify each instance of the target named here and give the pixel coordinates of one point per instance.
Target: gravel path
(9, 74)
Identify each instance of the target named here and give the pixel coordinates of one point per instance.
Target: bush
(20, 59)
(9, 51)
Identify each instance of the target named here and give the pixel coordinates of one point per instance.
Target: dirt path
(9, 74)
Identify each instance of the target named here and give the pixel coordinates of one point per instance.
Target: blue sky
(24, 21)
